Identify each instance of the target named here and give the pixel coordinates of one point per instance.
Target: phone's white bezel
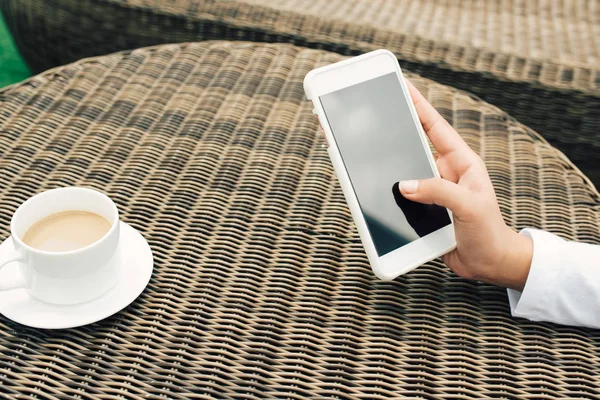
(347, 73)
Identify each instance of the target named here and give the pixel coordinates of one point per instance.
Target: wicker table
(536, 60)
(261, 288)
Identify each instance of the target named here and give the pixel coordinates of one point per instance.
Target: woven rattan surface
(261, 288)
(562, 31)
(537, 60)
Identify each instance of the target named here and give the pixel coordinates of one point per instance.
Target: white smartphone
(374, 141)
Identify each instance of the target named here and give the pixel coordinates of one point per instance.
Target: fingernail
(409, 187)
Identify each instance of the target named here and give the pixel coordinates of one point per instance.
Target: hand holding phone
(368, 117)
(487, 250)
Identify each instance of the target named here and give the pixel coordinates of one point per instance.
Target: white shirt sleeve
(563, 285)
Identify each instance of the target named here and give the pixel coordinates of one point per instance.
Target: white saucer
(135, 269)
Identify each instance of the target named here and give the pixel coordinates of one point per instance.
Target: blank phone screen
(380, 145)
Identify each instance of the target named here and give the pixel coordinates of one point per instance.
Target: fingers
(443, 136)
(438, 191)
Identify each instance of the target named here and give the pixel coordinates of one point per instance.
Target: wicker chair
(538, 61)
(261, 288)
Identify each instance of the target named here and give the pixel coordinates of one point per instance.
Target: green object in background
(12, 66)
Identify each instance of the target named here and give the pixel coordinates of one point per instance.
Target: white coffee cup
(68, 277)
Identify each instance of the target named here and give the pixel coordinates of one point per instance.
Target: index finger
(444, 137)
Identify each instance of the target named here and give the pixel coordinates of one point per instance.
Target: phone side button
(324, 135)
(322, 130)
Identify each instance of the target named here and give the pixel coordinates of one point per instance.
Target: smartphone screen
(380, 145)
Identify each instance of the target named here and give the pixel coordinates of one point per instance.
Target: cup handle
(19, 280)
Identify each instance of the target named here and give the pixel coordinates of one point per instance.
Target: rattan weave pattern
(562, 31)
(536, 60)
(261, 288)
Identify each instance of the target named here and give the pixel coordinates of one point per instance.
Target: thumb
(438, 191)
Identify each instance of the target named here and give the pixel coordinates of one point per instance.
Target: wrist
(517, 261)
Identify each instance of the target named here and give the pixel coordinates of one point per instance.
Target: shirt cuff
(534, 302)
